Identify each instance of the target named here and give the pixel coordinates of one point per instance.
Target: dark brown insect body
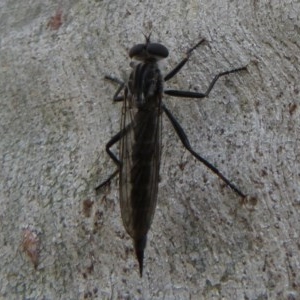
(140, 138)
(140, 152)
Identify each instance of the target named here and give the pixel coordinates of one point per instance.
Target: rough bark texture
(59, 240)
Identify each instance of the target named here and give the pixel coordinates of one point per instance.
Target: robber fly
(140, 137)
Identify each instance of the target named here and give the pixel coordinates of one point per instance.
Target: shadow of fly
(140, 137)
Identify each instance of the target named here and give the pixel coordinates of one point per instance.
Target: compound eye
(137, 50)
(157, 50)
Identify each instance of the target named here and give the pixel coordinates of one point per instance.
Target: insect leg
(184, 139)
(189, 94)
(113, 140)
(117, 97)
(173, 72)
(118, 136)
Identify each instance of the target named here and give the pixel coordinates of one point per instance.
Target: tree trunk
(61, 240)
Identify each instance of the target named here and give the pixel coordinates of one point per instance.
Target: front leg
(117, 97)
(172, 73)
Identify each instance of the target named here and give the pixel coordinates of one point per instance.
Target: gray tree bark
(61, 240)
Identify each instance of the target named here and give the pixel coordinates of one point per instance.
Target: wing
(140, 151)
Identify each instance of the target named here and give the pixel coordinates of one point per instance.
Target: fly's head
(148, 52)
